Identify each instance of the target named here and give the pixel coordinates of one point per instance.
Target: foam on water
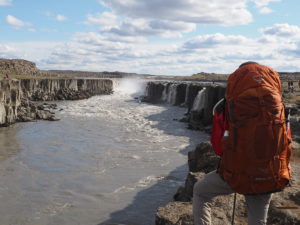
(144, 182)
(101, 164)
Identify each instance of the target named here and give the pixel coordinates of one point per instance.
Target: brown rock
(203, 158)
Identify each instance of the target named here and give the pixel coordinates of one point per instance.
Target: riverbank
(109, 160)
(23, 100)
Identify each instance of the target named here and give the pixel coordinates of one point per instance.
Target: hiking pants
(213, 185)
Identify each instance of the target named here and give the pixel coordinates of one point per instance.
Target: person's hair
(247, 63)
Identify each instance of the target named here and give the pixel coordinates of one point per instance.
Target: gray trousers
(213, 185)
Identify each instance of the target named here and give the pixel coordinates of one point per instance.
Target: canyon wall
(17, 96)
(10, 99)
(198, 98)
(64, 89)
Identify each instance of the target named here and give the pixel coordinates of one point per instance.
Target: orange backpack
(257, 150)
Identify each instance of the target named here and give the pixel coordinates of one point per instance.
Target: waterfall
(164, 97)
(172, 92)
(199, 102)
(187, 90)
(116, 83)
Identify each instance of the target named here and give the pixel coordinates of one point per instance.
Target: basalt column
(10, 99)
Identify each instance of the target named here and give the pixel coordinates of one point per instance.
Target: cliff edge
(18, 66)
(20, 99)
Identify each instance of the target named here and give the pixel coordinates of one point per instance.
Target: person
(218, 182)
(289, 86)
(292, 86)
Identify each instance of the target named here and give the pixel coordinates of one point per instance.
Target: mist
(130, 86)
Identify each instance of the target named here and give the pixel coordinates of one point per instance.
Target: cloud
(141, 27)
(213, 40)
(57, 17)
(293, 50)
(15, 22)
(282, 30)
(7, 51)
(262, 3)
(226, 12)
(265, 10)
(111, 24)
(262, 6)
(105, 19)
(211, 53)
(92, 51)
(5, 2)
(60, 17)
(98, 39)
(34, 51)
(217, 53)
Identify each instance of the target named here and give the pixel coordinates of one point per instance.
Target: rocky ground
(284, 208)
(203, 160)
(30, 111)
(39, 109)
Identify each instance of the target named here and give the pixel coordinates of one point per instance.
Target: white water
(187, 95)
(171, 99)
(110, 160)
(199, 102)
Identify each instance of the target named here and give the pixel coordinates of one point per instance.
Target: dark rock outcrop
(200, 161)
(10, 99)
(64, 89)
(17, 66)
(198, 98)
(203, 158)
(19, 97)
(154, 92)
(30, 111)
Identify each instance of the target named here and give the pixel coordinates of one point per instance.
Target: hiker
(291, 86)
(254, 158)
(6, 76)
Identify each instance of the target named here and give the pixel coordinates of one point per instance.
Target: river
(109, 160)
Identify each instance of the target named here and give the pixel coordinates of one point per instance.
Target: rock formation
(64, 89)
(10, 99)
(198, 98)
(18, 98)
(17, 66)
(202, 160)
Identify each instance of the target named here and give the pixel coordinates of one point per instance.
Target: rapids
(110, 160)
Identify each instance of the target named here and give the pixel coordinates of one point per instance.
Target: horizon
(171, 37)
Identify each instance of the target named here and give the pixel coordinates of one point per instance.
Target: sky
(161, 37)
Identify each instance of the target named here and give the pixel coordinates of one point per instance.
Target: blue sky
(169, 37)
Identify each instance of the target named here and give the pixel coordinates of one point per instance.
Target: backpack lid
(252, 75)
